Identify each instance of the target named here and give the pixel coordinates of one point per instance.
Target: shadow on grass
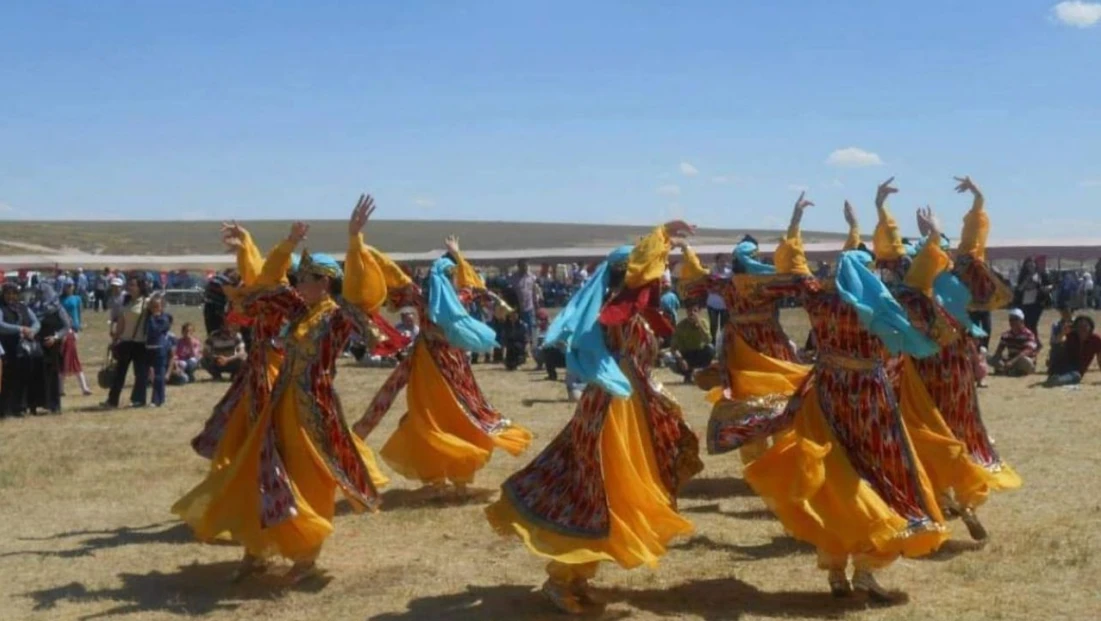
(707, 489)
(506, 601)
(92, 541)
(714, 600)
(777, 547)
(530, 402)
(400, 499)
(747, 514)
(191, 590)
(953, 548)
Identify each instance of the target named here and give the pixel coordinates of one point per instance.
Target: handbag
(106, 375)
(30, 348)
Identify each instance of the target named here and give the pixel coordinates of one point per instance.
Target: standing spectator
(18, 329)
(44, 384)
(215, 301)
(70, 353)
(523, 288)
(224, 352)
(692, 345)
(1030, 294)
(515, 336)
(99, 289)
(1077, 351)
(156, 345)
(1085, 290)
(82, 289)
(129, 319)
(1016, 353)
(188, 352)
(716, 306)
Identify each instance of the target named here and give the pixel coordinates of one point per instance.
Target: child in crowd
(158, 325)
(186, 359)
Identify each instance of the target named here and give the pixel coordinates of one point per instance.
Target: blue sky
(614, 111)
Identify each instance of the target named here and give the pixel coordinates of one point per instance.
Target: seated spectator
(1077, 351)
(1059, 331)
(1016, 352)
(514, 338)
(407, 324)
(224, 352)
(691, 347)
(186, 357)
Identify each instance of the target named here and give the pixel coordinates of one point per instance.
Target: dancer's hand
(802, 202)
(298, 232)
(361, 214)
(233, 234)
(884, 190)
(931, 228)
(452, 244)
(679, 228)
(850, 214)
(965, 184)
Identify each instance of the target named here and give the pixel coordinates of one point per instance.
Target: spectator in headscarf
(18, 329)
(1016, 353)
(1031, 294)
(44, 385)
(1079, 347)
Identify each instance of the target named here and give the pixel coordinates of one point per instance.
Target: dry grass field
(197, 237)
(88, 534)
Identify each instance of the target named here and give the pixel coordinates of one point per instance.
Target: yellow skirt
(807, 480)
(226, 505)
(944, 458)
(237, 423)
(753, 375)
(642, 517)
(436, 441)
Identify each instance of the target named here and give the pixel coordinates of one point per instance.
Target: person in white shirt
(716, 306)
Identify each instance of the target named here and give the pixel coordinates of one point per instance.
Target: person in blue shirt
(157, 346)
(73, 303)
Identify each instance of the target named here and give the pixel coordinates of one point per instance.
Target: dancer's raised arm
(364, 282)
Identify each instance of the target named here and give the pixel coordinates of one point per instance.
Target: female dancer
(605, 488)
(948, 378)
(759, 365)
(276, 496)
(842, 473)
(910, 275)
(451, 429)
(250, 389)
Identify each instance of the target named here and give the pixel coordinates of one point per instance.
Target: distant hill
(192, 237)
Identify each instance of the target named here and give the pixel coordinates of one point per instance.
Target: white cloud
(1090, 183)
(853, 157)
(423, 201)
(721, 179)
(669, 190)
(836, 183)
(6, 208)
(797, 187)
(688, 170)
(1077, 13)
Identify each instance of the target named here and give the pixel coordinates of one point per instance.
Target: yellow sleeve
(249, 260)
(364, 282)
(852, 242)
(465, 275)
(790, 257)
(976, 228)
(276, 265)
(395, 277)
(648, 259)
(927, 265)
(691, 270)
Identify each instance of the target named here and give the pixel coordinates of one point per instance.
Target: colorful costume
(758, 365)
(842, 474)
(250, 389)
(276, 494)
(605, 488)
(937, 302)
(450, 429)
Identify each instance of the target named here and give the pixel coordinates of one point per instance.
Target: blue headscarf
(877, 309)
(951, 293)
(578, 327)
(744, 253)
(320, 264)
(447, 311)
